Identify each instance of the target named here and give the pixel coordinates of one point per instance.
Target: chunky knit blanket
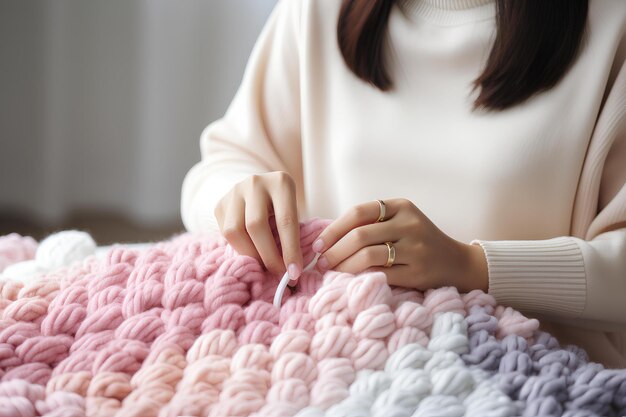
(187, 328)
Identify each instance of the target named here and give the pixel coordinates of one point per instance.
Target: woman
(494, 134)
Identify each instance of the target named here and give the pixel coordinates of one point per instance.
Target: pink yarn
(16, 248)
(187, 327)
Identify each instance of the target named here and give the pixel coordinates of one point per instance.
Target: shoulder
(309, 15)
(607, 19)
(605, 38)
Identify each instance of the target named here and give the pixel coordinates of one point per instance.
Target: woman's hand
(243, 217)
(425, 256)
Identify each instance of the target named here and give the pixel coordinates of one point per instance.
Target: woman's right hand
(243, 217)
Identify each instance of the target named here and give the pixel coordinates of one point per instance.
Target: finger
(288, 226)
(401, 276)
(234, 230)
(258, 227)
(359, 215)
(370, 256)
(357, 239)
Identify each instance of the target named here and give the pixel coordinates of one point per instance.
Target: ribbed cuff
(538, 276)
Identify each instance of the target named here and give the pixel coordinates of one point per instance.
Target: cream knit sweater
(541, 186)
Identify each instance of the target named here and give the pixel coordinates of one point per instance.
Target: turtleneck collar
(449, 12)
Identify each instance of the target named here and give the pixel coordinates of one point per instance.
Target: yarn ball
(62, 248)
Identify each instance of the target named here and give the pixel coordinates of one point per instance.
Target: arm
(568, 277)
(260, 131)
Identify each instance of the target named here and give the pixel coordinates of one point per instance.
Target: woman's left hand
(425, 256)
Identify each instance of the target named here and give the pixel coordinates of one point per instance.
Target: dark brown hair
(536, 43)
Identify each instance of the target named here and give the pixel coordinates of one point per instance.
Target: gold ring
(391, 254)
(382, 212)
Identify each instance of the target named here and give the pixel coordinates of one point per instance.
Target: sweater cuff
(537, 276)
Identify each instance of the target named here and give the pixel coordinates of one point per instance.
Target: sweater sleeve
(570, 277)
(260, 131)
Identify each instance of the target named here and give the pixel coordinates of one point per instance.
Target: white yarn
(22, 271)
(440, 406)
(443, 359)
(370, 384)
(362, 373)
(415, 380)
(449, 333)
(412, 355)
(488, 401)
(62, 248)
(399, 402)
(455, 380)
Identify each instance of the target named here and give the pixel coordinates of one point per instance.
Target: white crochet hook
(278, 296)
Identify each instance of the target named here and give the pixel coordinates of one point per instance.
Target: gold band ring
(391, 256)
(382, 212)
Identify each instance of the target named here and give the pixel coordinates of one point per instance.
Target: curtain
(103, 102)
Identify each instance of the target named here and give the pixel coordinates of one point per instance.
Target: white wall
(102, 102)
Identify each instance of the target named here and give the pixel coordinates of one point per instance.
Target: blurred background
(102, 104)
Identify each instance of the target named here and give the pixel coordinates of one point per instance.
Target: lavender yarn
(544, 378)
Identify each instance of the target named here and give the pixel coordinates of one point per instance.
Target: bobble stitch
(445, 299)
(449, 333)
(367, 290)
(328, 392)
(330, 298)
(455, 380)
(410, 314)
(376, 322)
(399, 295)
(332, 319)
(337, 368)
(190, 316)
(229, 316)
(370, 384)
(258, 331)
(409, 356)
(254, 356)
(334, 342)
(216, 342)
(263, 311)
(291, 390)
(370, 353)
(223, 290)
(404, 336)
(290, 341)
(294, 365)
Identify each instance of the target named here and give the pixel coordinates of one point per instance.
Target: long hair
(536, 43)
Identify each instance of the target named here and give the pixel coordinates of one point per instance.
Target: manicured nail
(294, 271)
(322, 263)
(318, 245)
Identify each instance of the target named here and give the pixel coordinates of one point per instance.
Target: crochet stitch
(188, 327)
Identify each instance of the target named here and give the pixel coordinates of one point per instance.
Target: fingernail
(294, 271)
(318, 245)
(322, 263)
